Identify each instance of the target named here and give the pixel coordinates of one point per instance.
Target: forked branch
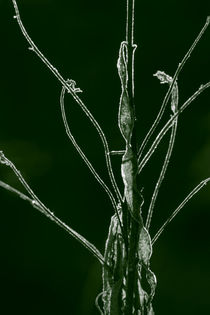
(36, 203)
(73, 92)
(168, 94)
(81, 153)
(168, 125)
(83, 156)
(174, 107)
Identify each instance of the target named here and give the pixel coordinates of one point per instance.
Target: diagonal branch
(83, 156)
(174, 108)
(191, 194)
(20, 194)
(167, 96)
(168, 125)
(36, 203)
(70, 88)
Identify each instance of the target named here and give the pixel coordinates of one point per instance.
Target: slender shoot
(36, 203)
(176, 211)
(73, 91)
(167, 96)
(174, 107)
(168, 125)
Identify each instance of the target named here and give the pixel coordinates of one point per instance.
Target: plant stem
(73, 93)
(131, 49)
(135, 225)
(37, 204)
(168, 125)
(176, 211)
(167, 96)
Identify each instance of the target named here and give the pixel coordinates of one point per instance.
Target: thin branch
(120, 152)
(73, 93)
(167, 96)
(130, 22)
(191, 194)
(131, 47)
(36, 203)
(162, 175)
(34, 48)
(81, 153)
(97, 303)
(168, 125)
(174, 107)
(20, 194)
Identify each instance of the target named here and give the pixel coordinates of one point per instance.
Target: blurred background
(42, 269)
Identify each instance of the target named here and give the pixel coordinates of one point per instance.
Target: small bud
(3, 159)
(163, 77)
(72, 85)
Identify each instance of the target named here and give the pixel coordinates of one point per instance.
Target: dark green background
(43, 270)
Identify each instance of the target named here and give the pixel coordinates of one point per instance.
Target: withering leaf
(144, 254)
(125, 115)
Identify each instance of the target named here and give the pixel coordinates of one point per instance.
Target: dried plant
(128, 248)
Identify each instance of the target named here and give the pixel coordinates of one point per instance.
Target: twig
(168, 125)
(174, 107)
(121, 152)
(85, 159)
(167, 96)
(191, 194)
(73, 92)
(97, 303)
(20, 194)
(36, 203)
(81, 153)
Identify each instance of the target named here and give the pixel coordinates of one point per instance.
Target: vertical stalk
(135, 218)
(131, 48)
